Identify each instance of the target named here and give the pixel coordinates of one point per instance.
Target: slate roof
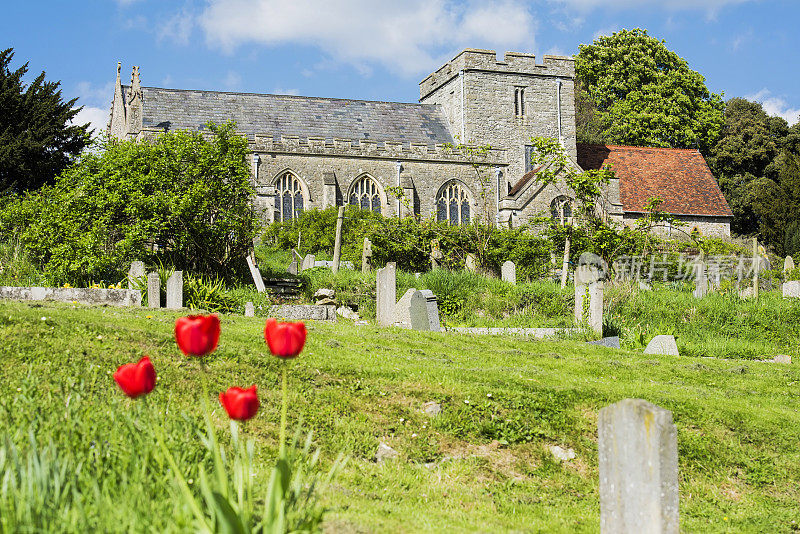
(296, 115)
(679, 177)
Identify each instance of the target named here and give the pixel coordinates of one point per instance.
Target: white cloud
(177, 28)
(776, 106)
(96, 117)
(708, 5)
(410, 36)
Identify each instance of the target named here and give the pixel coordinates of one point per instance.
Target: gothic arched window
(365, 194)
(453, 203)
(561, 210)
(288, 197)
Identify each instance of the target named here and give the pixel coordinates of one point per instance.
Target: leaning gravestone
(249, 309)
(385, 293)
(424, 311)
(136, 271)
(402, 310)
(175, 291)
(255, 273)
(293, 268)
(611, 342)
(153, 290)
(509, 272)
(662, 345)
(471, 263)
(638, 457)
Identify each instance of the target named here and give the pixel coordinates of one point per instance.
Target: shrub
(181, 200)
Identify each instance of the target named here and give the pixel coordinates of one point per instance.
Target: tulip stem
(283, 410)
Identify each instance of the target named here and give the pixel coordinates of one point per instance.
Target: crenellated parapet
(472, 59)
(364, 148)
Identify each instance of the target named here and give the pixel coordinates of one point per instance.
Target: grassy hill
(86, 452)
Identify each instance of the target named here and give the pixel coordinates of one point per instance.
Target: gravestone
(638, 460)
(385, 293)
(402, 310)
(610, 342)
(424, 311)
(589, 297)
(436, 254)
(153, 290)
(308, 262)
(293, 268)
(788, 264)
(297, 257)
(249, 309)
(136, 271)
(791, 289)
(366, 256)
(471, 264)
(175, 291)
(701, 280)
(662, 345)
(509, 272)
(337, 245)
(255, 273)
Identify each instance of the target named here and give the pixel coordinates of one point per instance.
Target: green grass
(482, 465)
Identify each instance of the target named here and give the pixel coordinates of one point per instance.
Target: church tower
(505, 103)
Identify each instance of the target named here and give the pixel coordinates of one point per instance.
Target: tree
(181, 200)
(646, 95)
(37, 140)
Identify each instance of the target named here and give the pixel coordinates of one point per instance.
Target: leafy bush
(181, 200)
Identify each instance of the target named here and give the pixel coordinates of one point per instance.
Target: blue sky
(381, 49)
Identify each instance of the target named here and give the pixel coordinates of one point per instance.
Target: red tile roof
(679, 177)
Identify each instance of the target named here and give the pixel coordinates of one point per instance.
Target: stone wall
(88, 296)
(708, 226)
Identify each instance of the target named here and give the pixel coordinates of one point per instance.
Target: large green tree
(37, 139)
(646, 95)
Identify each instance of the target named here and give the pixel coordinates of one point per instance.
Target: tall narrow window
(453, 203)
(519, 101)
(528, 155)
(365, 194)
(288, 197)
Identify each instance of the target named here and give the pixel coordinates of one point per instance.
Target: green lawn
(482, 465)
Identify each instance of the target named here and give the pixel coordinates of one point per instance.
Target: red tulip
(197, 335)
(241, 404)
(285, 340)
(136, 379)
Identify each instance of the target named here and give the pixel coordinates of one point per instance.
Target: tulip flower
(241, 404)
(285, 340)
(197, 335)
(136, 379)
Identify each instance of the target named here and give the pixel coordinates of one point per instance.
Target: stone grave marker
(424, 311)
(135, 272)
(293, 267)
(402, 310)
(153, 290)
(255, 273)
(366, 256)
(308, 262)
(471, 263)
(701, 279)
(249, 309)
(175, 291)
(386, 293)
(788, 264)
(638, 457)
(589, 292)
(509, 272)
(662, 345)
(436, 254)
(791, 289)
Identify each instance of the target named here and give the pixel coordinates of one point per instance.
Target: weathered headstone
(589, 297)
(788, 264)
(509, 272)
(424, 311)
(402, 310)
(337, 245)
(366, 256)
(255, 273)
(249, 309)
(436, 254)
(611, 342)
(638, 457)
(175, 291)
(756, 266)
(791, 289)
(701, 279)
(663, 344)
(471, 263)
(136, 271)
(308, 262)
(386, 292)
(293, 268)
(153, 290)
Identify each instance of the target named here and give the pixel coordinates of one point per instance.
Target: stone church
(402, 158)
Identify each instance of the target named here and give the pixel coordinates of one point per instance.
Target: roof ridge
(298, 97)
(640, 147)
